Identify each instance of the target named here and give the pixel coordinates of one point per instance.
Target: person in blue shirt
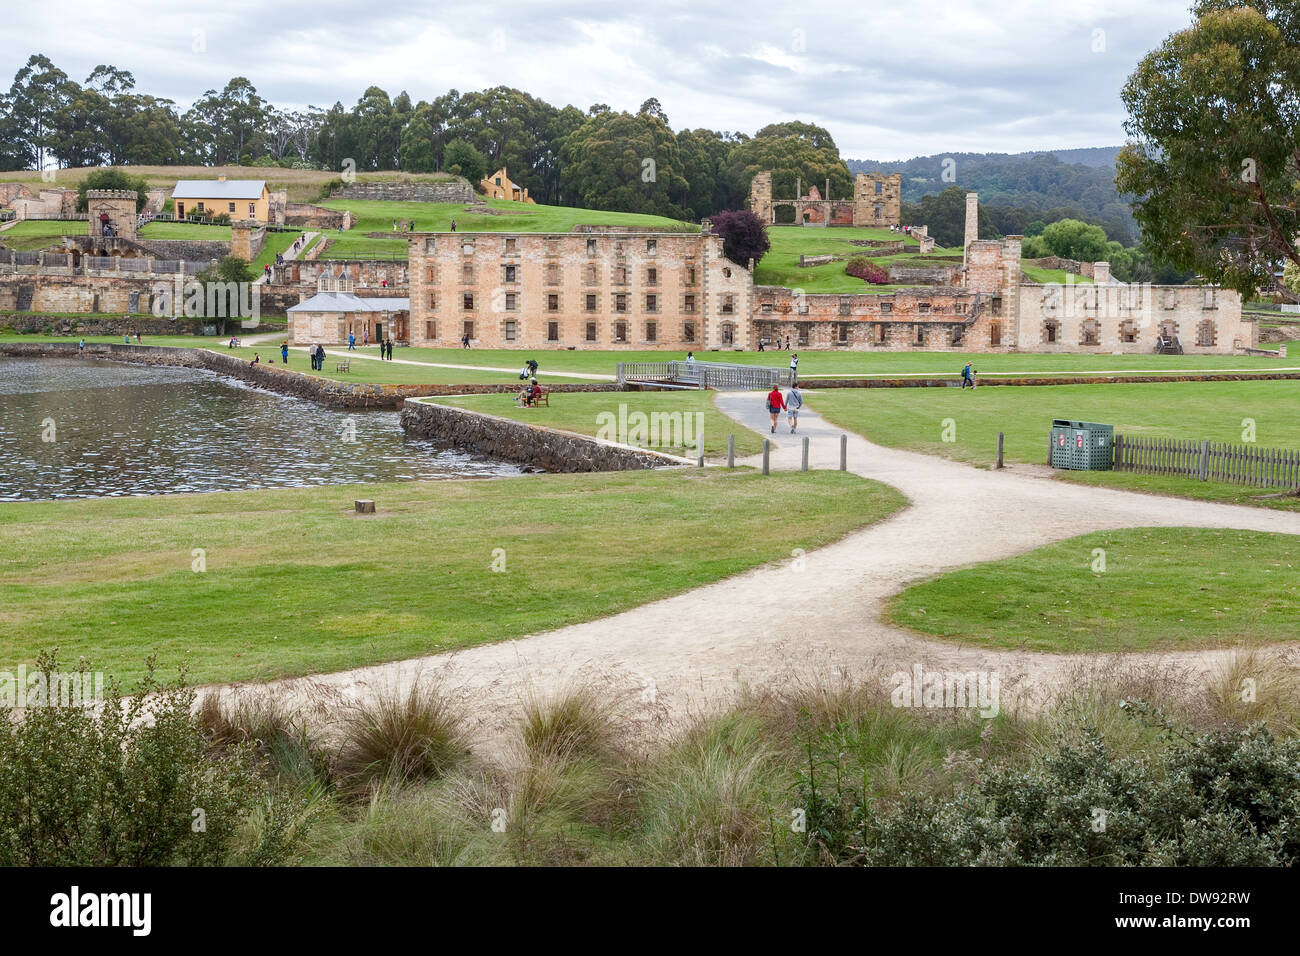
(284, 352)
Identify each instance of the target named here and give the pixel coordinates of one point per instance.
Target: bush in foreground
(132, 782)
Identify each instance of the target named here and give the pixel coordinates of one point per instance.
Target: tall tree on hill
(561, 126)
(792, 151)
(39, 91)
(462, 159)
(1214, 121)
(377, 129)
(510, 128)
(710, 186)
(622, 162)
(417, 155)
(226, 127)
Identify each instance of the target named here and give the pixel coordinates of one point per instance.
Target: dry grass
(396, 738)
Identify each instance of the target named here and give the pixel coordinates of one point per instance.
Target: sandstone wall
(523, 443)
(407, 192)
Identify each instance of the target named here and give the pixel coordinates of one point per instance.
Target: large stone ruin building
(877, 201)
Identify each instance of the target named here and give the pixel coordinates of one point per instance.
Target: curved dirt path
(689, 652)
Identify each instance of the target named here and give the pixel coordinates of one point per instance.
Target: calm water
(136, 430)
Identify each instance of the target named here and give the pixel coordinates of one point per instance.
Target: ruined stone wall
(524, 443)
(407, 192)
(877, 199)
(373, 275)
(309, 216)
(202, 251)
(20, 292)
(1128, 319)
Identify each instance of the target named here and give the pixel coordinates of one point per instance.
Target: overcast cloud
(889, 81)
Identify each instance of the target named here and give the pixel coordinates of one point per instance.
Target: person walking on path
(793, 402)
(775, 405)
(320, 358)
(284, 351)
(81, 346)
(352, 341)
(967, 377)
(464, 340)
(794, 368)
(390, 350)
(453, 225)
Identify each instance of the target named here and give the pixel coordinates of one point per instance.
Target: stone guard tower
(112, 213)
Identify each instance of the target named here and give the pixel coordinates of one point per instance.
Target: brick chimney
(1101, 273)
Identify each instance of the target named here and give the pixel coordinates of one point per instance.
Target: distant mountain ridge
(1044, 184)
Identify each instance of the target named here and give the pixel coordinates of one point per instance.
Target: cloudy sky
(889, 80)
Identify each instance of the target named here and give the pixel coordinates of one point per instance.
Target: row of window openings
(552, 246)
(511, 302)
(510, 274)
(886, 308)
(1090, 332)
(180, 210)
(620, 331)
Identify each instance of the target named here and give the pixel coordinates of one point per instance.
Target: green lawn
(591, 412)
(38, 234)
(295, 583)
(498, 215)
(185, 230)
(1206, 411)
(812, 364)
(1167, 589)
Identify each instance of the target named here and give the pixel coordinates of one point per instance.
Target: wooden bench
(344, 366)
(544, 398)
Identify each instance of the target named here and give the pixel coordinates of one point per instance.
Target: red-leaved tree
(744, 236)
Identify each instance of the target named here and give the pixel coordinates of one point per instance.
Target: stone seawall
(545, 448)
(276, 378)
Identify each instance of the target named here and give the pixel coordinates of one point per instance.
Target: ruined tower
(972, 224)
(760, 195)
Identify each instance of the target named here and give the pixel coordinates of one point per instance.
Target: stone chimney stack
(972, 223)
(1101, 273)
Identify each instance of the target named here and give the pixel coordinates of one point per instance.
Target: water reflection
(78, 428)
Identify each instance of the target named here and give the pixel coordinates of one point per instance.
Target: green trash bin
(1082, 446)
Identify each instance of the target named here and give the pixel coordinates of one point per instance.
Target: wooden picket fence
(1209, 461)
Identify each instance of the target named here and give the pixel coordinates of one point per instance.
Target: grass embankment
(592, 413)
(1151, 589)
(1204, 411)
(495, 215)
(37, 234)
(296, 583)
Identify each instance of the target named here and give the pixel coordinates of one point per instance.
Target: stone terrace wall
(520, 442)
(407, 192)
(276, 378)
(37, 324)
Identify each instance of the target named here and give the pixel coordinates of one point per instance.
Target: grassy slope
(185, 230)
(580, 413)
(295, 583)
(501, 216)
(1213, 411)
(1165, 588)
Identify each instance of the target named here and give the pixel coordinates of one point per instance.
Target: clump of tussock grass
(573, 723)
(1252, 684)
(709, 799)
(397, 737)
(279, 734)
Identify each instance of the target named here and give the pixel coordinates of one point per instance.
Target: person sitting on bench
(534, 393)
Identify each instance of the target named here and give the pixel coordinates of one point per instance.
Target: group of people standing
(776, 346)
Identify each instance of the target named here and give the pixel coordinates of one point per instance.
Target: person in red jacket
(775, 405)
